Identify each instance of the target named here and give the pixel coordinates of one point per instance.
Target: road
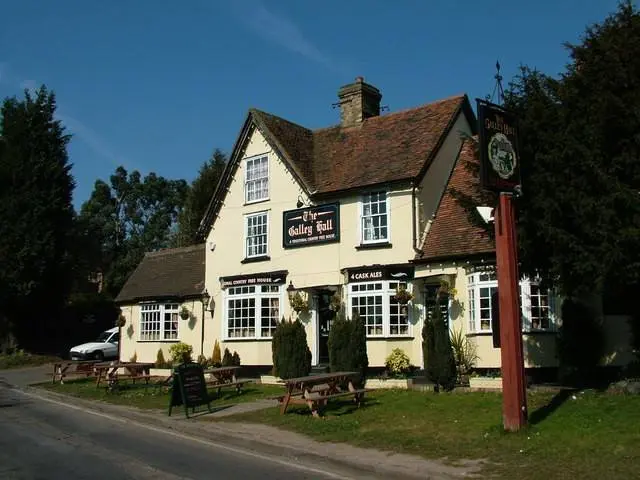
(45, 440)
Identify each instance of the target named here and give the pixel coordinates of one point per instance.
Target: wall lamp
(291, 290)
(300, 202)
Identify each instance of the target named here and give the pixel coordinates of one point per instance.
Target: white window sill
(247, 339)
(253, 202)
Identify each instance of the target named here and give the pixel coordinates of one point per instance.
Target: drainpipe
(202, 335)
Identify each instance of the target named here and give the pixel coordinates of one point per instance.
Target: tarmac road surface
(44, 440)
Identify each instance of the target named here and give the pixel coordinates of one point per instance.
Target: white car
(105, 346)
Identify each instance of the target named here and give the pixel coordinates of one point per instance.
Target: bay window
(535, 303)
(252, 311)
(158, 321)
(375, 302)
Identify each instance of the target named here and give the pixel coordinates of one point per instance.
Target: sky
(157, 85)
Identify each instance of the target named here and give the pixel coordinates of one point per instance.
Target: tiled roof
(170, 273)
(387, 148)
(457, 229)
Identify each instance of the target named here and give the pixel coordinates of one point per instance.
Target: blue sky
(156, 85)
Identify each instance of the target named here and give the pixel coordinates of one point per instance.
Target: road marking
(190, 438)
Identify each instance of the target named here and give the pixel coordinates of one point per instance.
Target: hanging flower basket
(403, 296)
(185, 314)
(121, 321)
(298, 303)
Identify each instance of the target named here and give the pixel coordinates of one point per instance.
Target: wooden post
(514, 393)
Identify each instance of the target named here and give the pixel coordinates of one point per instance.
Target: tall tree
(580, 220)
(198, 198)
(37, 215)
(126, 218)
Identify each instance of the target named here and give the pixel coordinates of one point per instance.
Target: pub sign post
(500, 172)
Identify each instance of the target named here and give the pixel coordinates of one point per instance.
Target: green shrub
(348, 347)
(216, 358)
(290, 352)
(134, 357)
(202, 360)
(440, 363)
(160, 361)
(227, 358)
(580, 341)
(235, 359)
(180, 353)
(465, 353)
(397, 362)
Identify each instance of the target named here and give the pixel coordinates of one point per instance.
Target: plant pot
(379, 383)
(486, 383)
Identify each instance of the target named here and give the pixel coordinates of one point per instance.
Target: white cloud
(285, 33)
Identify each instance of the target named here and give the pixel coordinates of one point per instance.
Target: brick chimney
(358, 101)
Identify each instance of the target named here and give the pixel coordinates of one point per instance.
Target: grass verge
(21, 359)
(595, 435)
(150, 398)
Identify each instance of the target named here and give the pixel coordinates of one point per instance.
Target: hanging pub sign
(269, 278)
(311, 225)
(499, 152)
(401, 273)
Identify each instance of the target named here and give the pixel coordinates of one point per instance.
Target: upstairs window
(256, 234)
(256, 182)
(375, 218)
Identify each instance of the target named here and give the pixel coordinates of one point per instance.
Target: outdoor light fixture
(300, 203)
(291, 290)
(205, 299)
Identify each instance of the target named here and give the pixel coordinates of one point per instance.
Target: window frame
(387, 293)
(474, 286)
(361, 229)
(265, 157)
(264, 213)
(146, 335)
(252, 292)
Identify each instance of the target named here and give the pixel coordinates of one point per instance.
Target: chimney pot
(358, 101)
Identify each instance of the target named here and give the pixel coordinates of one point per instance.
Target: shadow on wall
(540, 350)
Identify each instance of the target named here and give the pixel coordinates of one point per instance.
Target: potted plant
(184, 313)
(298, 303)
(121, 321)
(403, 296)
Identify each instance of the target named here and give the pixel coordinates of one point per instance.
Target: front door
(325, 317)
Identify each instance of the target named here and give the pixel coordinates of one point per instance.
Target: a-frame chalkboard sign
(189, 388)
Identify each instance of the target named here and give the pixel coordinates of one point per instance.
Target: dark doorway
(325, 318)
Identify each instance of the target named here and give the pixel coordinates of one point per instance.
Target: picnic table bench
(224, 377)
(315, 390)
(80, 368)
(109, 371)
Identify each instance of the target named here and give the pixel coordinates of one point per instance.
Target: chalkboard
(189, 388)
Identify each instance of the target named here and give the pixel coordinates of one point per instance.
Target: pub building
(334, 221)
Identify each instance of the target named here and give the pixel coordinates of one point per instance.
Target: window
(431, 296)
(257, 229)
(537, 313)
(252, 311)
(256, 182)
(374, 220)
(375, 302)
(158, 321)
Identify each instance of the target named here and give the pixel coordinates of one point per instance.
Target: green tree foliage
(126, 218)
(580, 212)
(235, 359)
(227, 358)
(198, 198)
(348, 346)
(290, 352)
(580, 341)
(37, 217)
(440, 362)
(160, 361)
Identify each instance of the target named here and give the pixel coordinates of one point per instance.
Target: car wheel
(98, 356)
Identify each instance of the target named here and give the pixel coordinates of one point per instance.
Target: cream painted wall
(189, 331)
(434, 183)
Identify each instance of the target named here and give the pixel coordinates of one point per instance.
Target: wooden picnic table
(315, 390)
(109, 372)
(61, 369)
(225, 377)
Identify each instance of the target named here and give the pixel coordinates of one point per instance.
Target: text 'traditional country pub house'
(339, 218)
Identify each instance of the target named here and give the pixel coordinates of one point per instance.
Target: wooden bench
(219, 386)
(82, 369)
(316, 400)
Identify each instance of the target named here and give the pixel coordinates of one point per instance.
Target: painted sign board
(499, 151)
(311, 225)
